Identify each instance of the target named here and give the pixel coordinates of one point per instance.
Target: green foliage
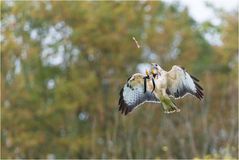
(63, 64)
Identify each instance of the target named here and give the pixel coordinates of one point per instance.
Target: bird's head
(155, 69)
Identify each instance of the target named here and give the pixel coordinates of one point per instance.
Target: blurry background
(64, 63)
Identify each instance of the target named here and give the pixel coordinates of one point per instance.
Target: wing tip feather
(199, 91)
(194, 78)
(123, 108)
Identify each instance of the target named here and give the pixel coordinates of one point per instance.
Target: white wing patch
(182, 83)
(132, 97)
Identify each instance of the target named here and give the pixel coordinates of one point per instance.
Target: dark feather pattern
(194, 78)
(123, 107)
(153, 85)
(145, 85)
(199, 94)
(140, 97)
(199, 90)
(129, 78)
(184, 88)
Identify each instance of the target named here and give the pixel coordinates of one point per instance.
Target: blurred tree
(63, 64)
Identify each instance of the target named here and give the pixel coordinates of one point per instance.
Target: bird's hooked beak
(153, 64)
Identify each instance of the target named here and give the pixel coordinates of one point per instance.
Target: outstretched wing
(180, 83)
(135, 93)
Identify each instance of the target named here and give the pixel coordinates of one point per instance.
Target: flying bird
(157, 86)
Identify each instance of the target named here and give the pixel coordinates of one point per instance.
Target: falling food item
(136, 42)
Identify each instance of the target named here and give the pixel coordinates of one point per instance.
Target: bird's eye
(156, 65)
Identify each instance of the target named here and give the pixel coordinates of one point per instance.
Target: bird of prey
(158, 86)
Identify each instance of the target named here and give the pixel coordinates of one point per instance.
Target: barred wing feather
(132, 94)
(181, 83)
